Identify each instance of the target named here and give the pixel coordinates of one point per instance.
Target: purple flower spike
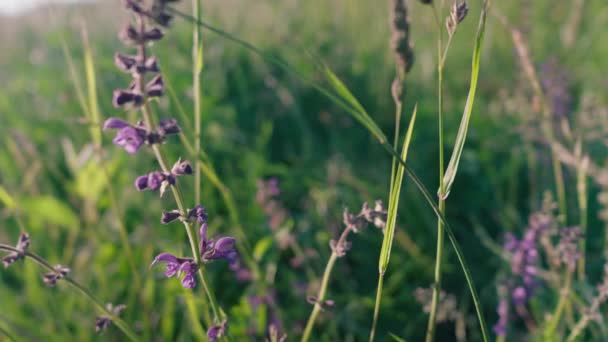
(500, 328)
(22, 244)
(156, 87)
(182, 168)
(216, 331)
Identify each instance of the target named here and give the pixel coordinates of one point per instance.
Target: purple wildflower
(51, 278)
(216, 249)
(568, 246)
(168, 126)
(130, 36)
(22, 244)
(103, 322)
(500, 328)
(525, 257)
(177, 266)
(156, 87)
(170, 216)
(181, 168)
(199, 212)
(217, 330)
(129, 137)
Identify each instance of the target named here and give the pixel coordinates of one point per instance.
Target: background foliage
(259, 122)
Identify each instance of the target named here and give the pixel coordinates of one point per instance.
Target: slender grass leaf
(450, 172)
(393, 204)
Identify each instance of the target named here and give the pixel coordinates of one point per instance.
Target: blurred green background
(260, 122)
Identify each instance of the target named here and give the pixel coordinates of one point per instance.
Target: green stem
(556, 317)
(581, 187)
(436, 288)
(377, 307)
(8, 335)
(196, 85)
(320, 297)
(83, 290)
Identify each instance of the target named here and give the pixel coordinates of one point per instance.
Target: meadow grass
(309, 107)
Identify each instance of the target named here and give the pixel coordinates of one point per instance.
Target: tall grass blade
(450, 172)
(391, 220)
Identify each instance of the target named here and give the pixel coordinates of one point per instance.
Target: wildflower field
(284, 170)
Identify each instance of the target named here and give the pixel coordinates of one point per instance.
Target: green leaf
(395, 337)
(261, 247)
(44, 210)
(450, 172)
(6, 198)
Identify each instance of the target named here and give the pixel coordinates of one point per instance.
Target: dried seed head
(457, 14)
(400, 31)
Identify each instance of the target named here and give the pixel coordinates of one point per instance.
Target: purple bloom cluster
(147, 83)
(500, 328)
(354, 223)
(525, 257)
(217, 330)
(132, 137)
(568, 246)
(210, 249)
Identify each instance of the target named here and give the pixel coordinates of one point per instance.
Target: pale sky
(18, 6)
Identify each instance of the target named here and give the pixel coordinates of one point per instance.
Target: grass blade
(450, 172)
(391, 220)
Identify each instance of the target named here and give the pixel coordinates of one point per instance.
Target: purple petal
(130, 139)
(155, 180)
(165, 257)
(115, 123)
(203, 238)
(171, 269)
(156, 87)
(141, 183)
(125, 62)
(189, 281)
(225, 244)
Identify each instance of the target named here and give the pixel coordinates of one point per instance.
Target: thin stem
(196, 85)
(563, 300)
(8, 335)
(581, 187)
(83, 290)
(430, 335)
(377, 307)
(320, 297)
